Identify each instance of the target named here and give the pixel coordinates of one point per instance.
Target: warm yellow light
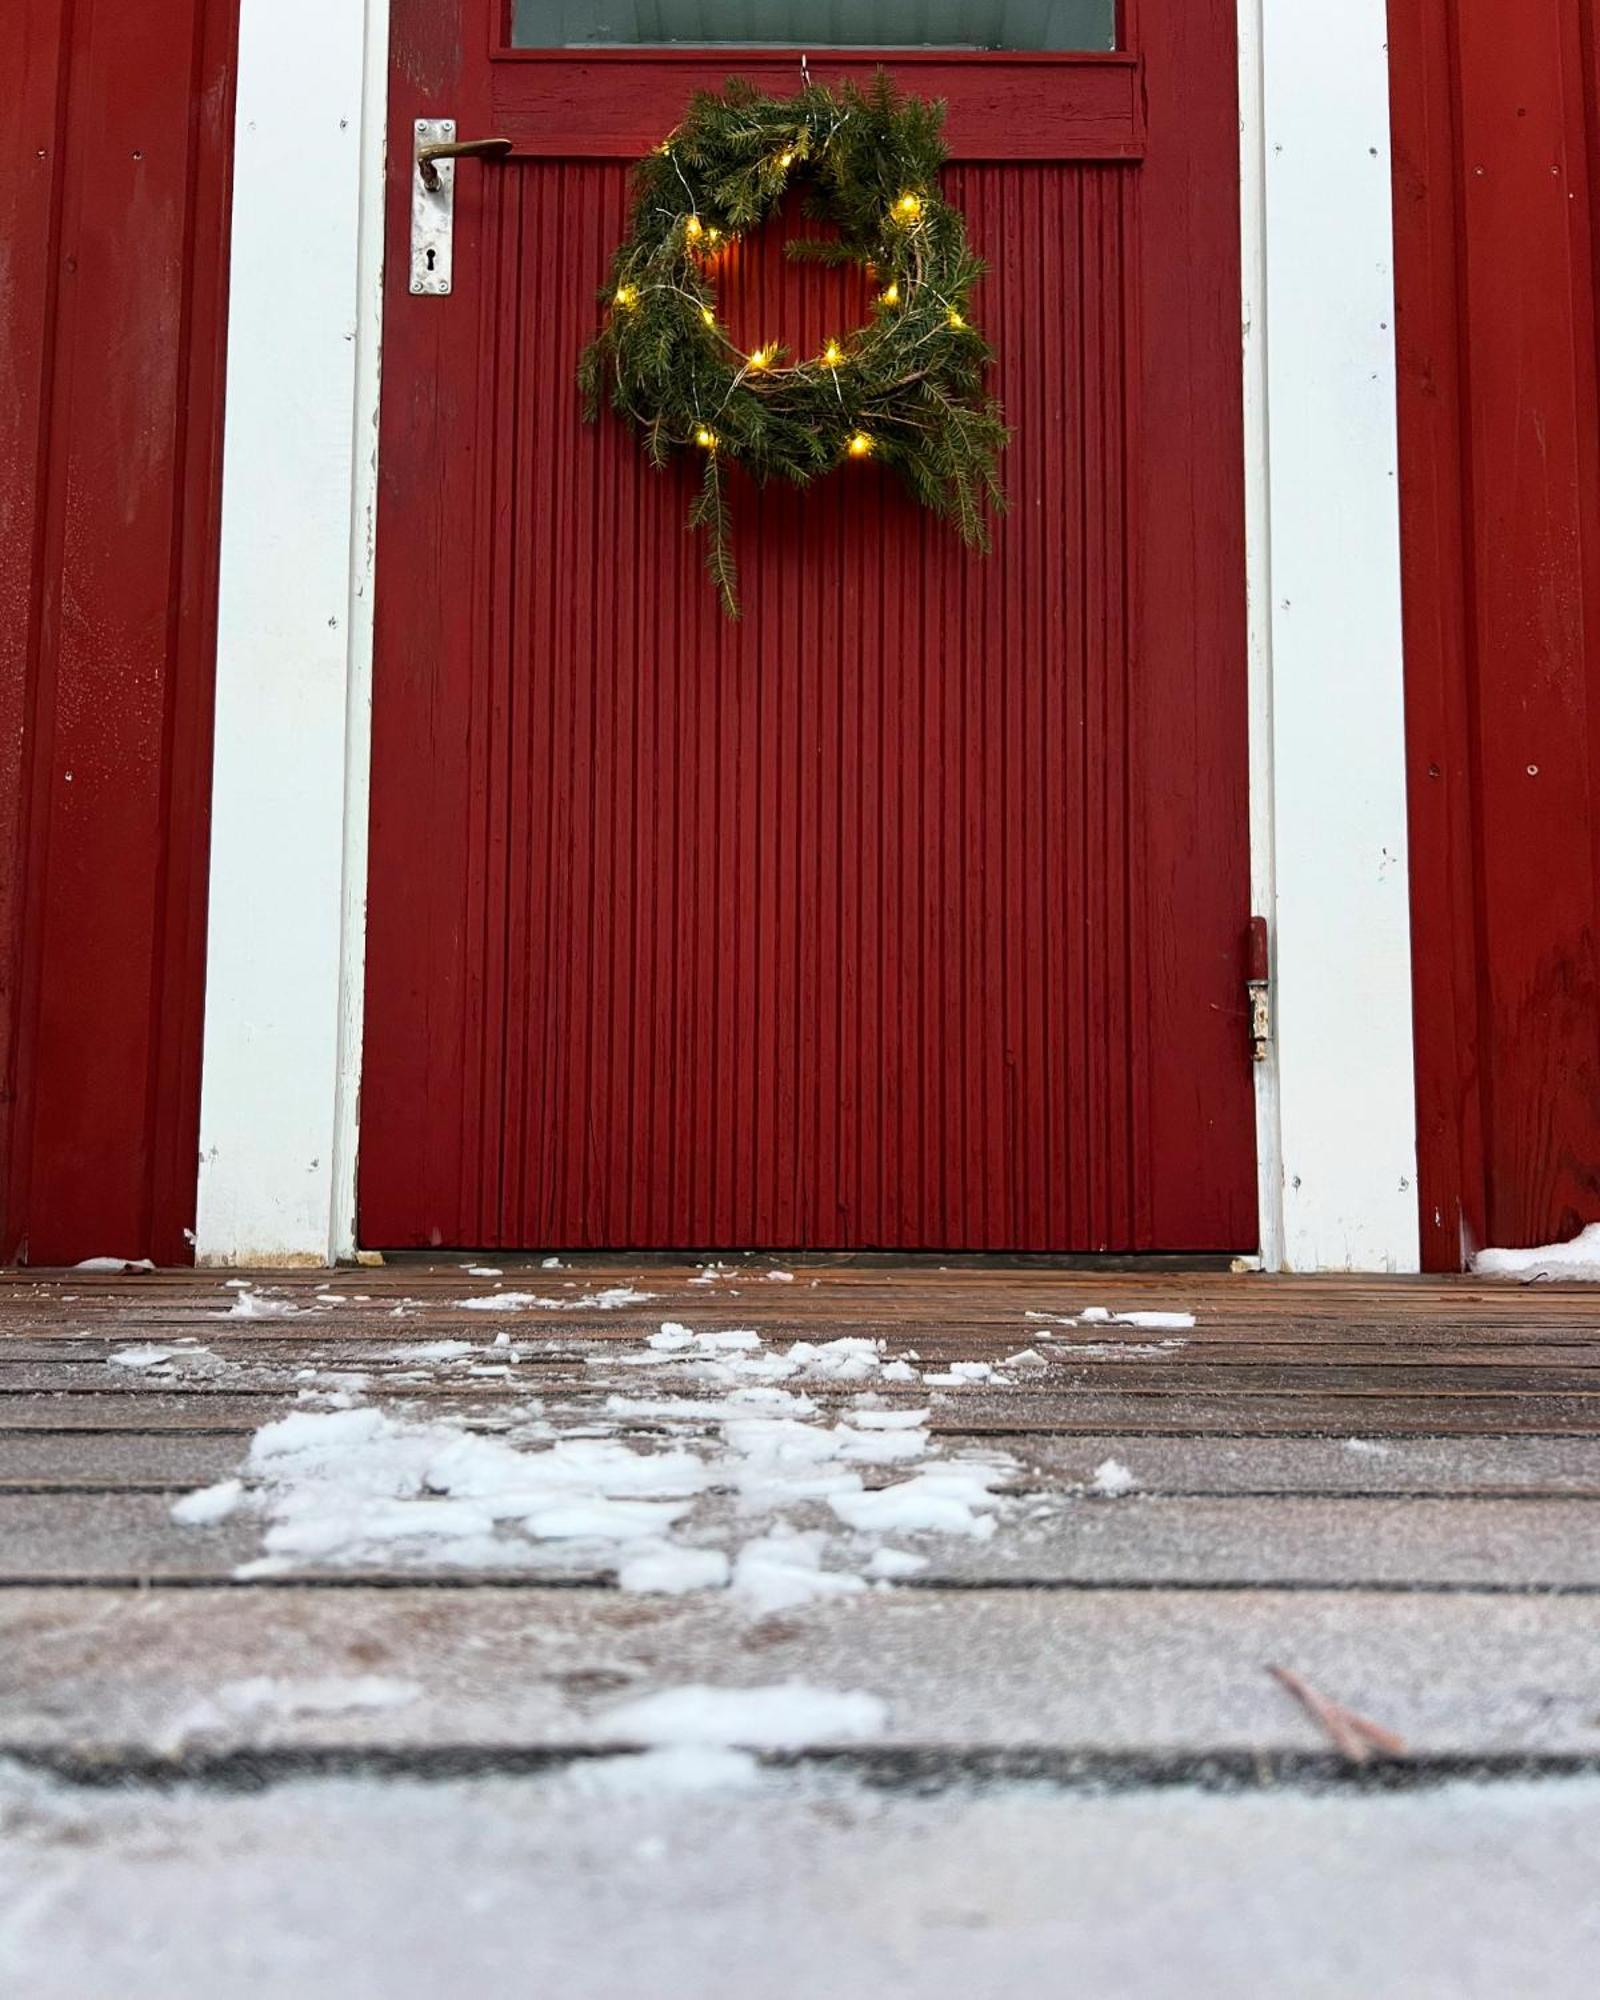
(891, 296)
(663, 148)
(714, 234)
(860, 445)
(908, 208)
(706, 439)
(955, 318)
(694, 229)
(763, 357)
(786, 160)
(708, 316)
(832, 355)
(625, 296)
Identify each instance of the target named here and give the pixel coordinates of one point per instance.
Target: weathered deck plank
(1050, 1540)
(101, 1675)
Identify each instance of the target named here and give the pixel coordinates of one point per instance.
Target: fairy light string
(907, 388)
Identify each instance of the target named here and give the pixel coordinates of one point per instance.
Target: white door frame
(281, 1069)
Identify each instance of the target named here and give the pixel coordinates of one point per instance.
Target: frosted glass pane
(817, 24)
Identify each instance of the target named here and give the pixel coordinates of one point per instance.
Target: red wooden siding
(115, 130)
(909, 911)
(1497, 204)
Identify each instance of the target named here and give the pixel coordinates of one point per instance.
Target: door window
(815, 24)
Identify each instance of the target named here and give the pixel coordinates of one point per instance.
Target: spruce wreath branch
(907, 388)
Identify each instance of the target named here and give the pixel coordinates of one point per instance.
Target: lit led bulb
(626, 296)
(706, 439)
(762, 358)
(708, 316)
(955, 319)
(713, 234)
(786, 160)
(833, 355)
(908, 208)
(891, 295)
(860, 444)
(694, 229)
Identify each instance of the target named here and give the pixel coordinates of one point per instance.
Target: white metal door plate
(432, 211)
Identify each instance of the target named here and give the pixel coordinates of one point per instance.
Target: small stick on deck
(1352, 1735)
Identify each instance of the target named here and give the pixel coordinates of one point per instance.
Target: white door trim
(1335, 1105)
(286, 944)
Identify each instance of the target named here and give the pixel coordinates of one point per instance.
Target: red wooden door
(908, 912)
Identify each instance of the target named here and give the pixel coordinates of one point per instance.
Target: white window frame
(1335, 1102)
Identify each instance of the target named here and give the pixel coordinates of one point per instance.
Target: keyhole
(431, 255)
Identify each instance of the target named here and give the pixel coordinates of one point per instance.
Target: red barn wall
(115, 137)
(1496, 118)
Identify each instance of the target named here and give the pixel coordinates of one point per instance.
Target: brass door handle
(456, 149)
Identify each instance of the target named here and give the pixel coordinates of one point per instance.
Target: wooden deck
(1391, 1488)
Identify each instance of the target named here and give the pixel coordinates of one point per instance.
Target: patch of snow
(782, 1570)
(1155, 1321)
(114, 1264)
(787, 1716)
(208, 1506)
(943, 1500)
(890, 1565)
(1578, 1259)
(780, 1277)
(250, 1304)
(551, 1264)
(673, 1572)
(1112, 1480)
(149, 1356)
(483, 1270)
(1365, 1448)
(963, 1371)
(350, 1484)
(610, 1300)
(1030, 1361)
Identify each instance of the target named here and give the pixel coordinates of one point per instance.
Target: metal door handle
(456, 149)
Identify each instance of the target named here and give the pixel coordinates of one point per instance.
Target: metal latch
(435, 151)
(1258, 985)
(433, 209)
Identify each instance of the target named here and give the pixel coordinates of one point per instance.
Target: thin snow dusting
(1118, 1350)
(1578, 1259)
(789, 1715)
(265, 1699)
(118, 1264)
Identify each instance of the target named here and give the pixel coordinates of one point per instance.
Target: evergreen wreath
(906, 388)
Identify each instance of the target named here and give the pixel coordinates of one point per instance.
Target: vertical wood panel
(1495, 203)
(115, 216)
(907, 910)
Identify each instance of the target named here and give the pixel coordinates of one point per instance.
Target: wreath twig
(906, 388)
